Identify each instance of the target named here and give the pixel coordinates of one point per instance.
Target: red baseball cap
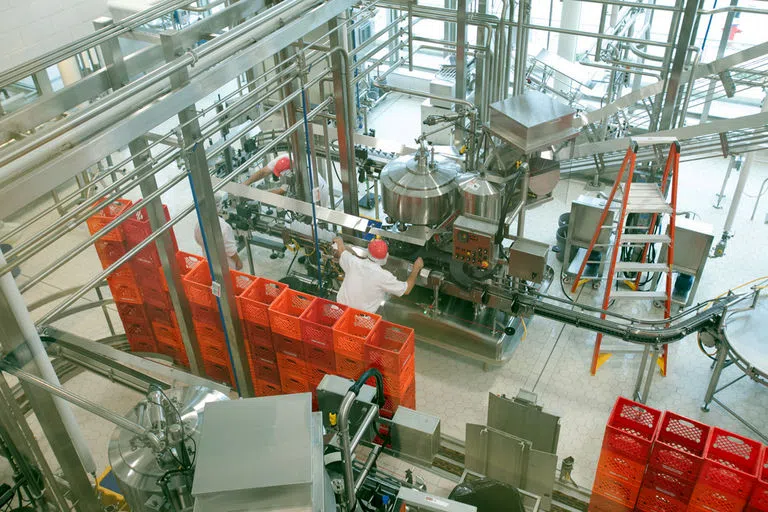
(378, 251)
(281, 165)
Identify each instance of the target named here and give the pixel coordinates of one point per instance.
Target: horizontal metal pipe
(636, 5)
(106, 229)
(172, 222)
(595, 35)
(731, 8)
(364, 73)
(378, 34)
(73, 398)
(204, 8)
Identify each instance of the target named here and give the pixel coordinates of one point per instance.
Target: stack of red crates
(253, 305)
(668, 463)
(317, 323)
(391, 349)
(207, 321)
(625, 453)
(729, 473)
(673, 469)
(284, 320)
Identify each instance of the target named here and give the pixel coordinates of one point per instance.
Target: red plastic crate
(316, 375)
(288, 345)
(205, 315)
(759, 499)
(168, 334)
(187, 261)
(142, 343)
(390, 346)
(352, 331)
(218, 371)
(214, 352)
(293, 383)
(264, 388)
(598, 503)
(208, 333)
(124, 290)
(631, 428)
(164, 315)
(106, 215)
(709, 499)
(317, 322)
(616, 489)
(679, 446)
(132, 312)
(142, 328)
(620, 467)
(254, 302)
(319, 355)
(158, 298)
(177, 354)
(197, 284)
(262, 352)
(670, 485)
(349, 366)
(395, 382)
(650, 500)
(258, 336)
(731, 463)
(149, 275)
(294, 364)
(285, 311)
(137, 228)
(109, 251)
(406, 399)
(266, 370)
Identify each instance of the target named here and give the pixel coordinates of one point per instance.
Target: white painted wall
(29, 28)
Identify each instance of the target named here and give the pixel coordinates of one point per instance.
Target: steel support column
(461, 49)
(720, 53)
(345, 115)
(202, 189)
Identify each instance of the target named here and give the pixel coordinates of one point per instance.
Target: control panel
(473, 242)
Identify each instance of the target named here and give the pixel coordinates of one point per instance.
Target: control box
(473, 242)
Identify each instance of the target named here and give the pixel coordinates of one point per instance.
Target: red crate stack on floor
(350, 333)
(729, 473)
(626, 450)
(123, 284)
(207, 322)
(391, 349)
(758, 502)
(676, 460)
(253, 305)
(284, 320)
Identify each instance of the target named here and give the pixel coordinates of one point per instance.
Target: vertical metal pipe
(461, 49)
(720, 52)
(523, 201)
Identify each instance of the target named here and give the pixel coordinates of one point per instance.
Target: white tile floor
(553, 361)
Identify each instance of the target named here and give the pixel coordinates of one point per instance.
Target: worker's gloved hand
(284, 187)
(338, 245)
(418, 265)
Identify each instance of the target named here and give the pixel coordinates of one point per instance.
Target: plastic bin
(321, 356)
(731, 463)
(599, 503)
(137, 228)
(390, 346)
(132, 312)
(258, 336)
(316, 374)
(266, 370)
(218, 372)
(264, 388)
(668, 484)
(124, 290)
(288, 345)
(168, 334)
(109, 251)
(708, 499)
(197, 284)
(187, 261)
(317, 322)
(396, 381)
(106, 215)
(616, 489)
(650, 500)
(291, 363)
(620, 467)
(205, 315)
(285, 311)
(393, 401)
(210, 334)
(349, 366)
(759, 499)
(254, 302)
(679, 446)
(631, 429)
(352, 331)
(164, 315)
(293, 383)
(142, 343)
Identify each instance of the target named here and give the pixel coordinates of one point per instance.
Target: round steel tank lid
(414, 173)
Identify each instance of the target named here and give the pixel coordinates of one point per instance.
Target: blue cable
(312, 189)
(706, 32)
(210, 269)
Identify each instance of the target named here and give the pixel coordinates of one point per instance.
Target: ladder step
(633, 266)
(645, 239)
(629, 294)
(646, 198)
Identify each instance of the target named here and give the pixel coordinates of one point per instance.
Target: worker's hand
(418, 265)
(339, 243)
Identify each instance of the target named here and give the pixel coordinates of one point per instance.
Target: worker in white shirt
(366, 284)
(230, 242)
(280, 164)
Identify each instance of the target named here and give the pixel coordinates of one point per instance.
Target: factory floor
(552, 361)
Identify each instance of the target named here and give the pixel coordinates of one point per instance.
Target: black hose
(358, 385)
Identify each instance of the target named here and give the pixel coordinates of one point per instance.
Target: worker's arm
(411, 281)
(238, 261)
(258, 175)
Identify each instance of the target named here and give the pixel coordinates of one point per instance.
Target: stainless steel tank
(136, 467)
(420, 188)
(480, 198)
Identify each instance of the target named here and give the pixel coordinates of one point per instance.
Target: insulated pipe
(43, 363)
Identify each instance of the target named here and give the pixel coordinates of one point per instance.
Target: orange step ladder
(643, 198)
